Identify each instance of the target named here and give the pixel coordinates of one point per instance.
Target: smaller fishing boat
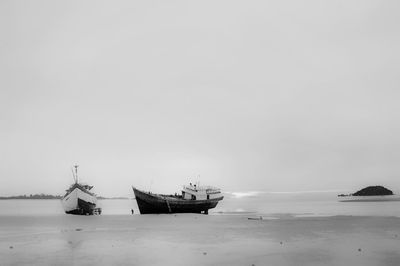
(78, 198)
(194, 199)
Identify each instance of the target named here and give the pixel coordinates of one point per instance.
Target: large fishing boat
(79, 199)
(194, 199)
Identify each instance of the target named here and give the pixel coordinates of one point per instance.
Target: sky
(242, 95)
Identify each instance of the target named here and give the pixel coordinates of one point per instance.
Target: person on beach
(132, 211)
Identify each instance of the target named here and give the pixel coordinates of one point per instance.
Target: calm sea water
(298, 204)
(307, 204)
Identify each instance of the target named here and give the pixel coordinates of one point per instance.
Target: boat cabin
(82, 187)
(196, 192)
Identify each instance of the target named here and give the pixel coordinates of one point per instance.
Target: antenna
(76, 173)
(73, 174)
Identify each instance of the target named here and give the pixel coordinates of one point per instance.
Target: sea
(255, 203)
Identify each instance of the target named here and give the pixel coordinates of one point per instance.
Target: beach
(194, 239)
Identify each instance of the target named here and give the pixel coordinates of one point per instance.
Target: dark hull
(154, 204)
(84, 208)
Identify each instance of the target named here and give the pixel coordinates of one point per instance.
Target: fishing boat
(194, 199)
(78, 198)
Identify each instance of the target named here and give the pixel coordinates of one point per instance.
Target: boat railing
(202, 188)
(83, 187)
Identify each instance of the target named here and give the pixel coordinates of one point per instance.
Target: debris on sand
(255, 218)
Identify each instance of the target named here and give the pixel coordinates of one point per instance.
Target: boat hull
(155, 204)
(79, 202)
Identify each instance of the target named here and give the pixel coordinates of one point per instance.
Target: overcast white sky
(250, 95)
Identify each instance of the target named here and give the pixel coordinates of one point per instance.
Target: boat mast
(73, 174)
(76, 173)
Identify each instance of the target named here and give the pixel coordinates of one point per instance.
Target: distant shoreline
(44, 196)
(112, 198)
(35, 196)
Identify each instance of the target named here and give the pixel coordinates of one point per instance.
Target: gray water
(297, 204)
(307, 204)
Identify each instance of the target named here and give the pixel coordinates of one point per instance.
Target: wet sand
(190, 239)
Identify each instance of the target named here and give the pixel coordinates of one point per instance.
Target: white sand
(189, 239)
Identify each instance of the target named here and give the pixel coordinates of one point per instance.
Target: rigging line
(73, 174)
(169, 208)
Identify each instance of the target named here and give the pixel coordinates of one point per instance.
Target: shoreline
(177, 239)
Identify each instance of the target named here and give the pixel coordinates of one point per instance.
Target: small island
(374, 191)
(371, 191)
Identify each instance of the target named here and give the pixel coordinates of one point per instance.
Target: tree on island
(373, 191)
(35, 196)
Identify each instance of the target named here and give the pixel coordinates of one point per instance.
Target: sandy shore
(198, 240)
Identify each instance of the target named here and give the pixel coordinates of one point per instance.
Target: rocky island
(371, 193)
